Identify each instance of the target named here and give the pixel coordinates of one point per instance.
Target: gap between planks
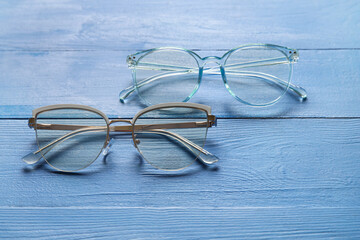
(138, 50)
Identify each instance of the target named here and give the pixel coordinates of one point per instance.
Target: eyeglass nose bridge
(120, 128)
(213, 69)
(211, 59)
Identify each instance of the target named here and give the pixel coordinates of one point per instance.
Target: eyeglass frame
(292, 55)
(210, 122)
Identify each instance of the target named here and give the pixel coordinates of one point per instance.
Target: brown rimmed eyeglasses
(169, 136)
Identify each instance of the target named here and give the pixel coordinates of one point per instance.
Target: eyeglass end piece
(212, 120)
(31, 122)
(32, 157)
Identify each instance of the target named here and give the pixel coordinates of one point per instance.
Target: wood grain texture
(293, 174)
(129, 25)
(96, 79)
(263, 162)
(179, 223)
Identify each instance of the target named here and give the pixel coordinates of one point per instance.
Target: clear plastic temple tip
(32, 157)
(302, 93)
(125, 93)
(208, 158)
(299, 91)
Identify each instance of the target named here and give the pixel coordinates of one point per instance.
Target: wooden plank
(96, 78)
(184, 223)
(134, 25)
(287, 177)
(263, 162)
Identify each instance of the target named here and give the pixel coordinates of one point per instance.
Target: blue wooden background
(291, 170)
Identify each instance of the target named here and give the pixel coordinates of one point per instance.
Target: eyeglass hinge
(212, 121)
(31, 122)
(293, 56)
(131, 60)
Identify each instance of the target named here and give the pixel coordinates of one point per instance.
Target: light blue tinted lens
(166, 76)
(77, 145)
(171, 148)
(258, 75)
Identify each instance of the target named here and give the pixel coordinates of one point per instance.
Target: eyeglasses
(255, 74)
(169, 136)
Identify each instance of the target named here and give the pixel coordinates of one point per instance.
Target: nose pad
(107, 148)
(136, 141)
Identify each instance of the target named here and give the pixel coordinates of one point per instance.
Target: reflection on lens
(258, 75)
(166, 76)
(71, 138)
(169, 147)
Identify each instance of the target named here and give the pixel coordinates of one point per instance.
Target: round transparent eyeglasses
(255, 74)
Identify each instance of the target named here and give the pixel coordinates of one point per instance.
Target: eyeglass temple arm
(34, 157)
(299, 91)
(129, 90)
(203, 155)
(178, 70)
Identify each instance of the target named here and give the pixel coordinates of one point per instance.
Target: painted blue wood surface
(290, 171)
(207, 25)
(182, 223)
(264, 163)
(95, 78)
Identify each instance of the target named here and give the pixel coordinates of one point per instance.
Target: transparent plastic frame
(291, 56)
(204, 156)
